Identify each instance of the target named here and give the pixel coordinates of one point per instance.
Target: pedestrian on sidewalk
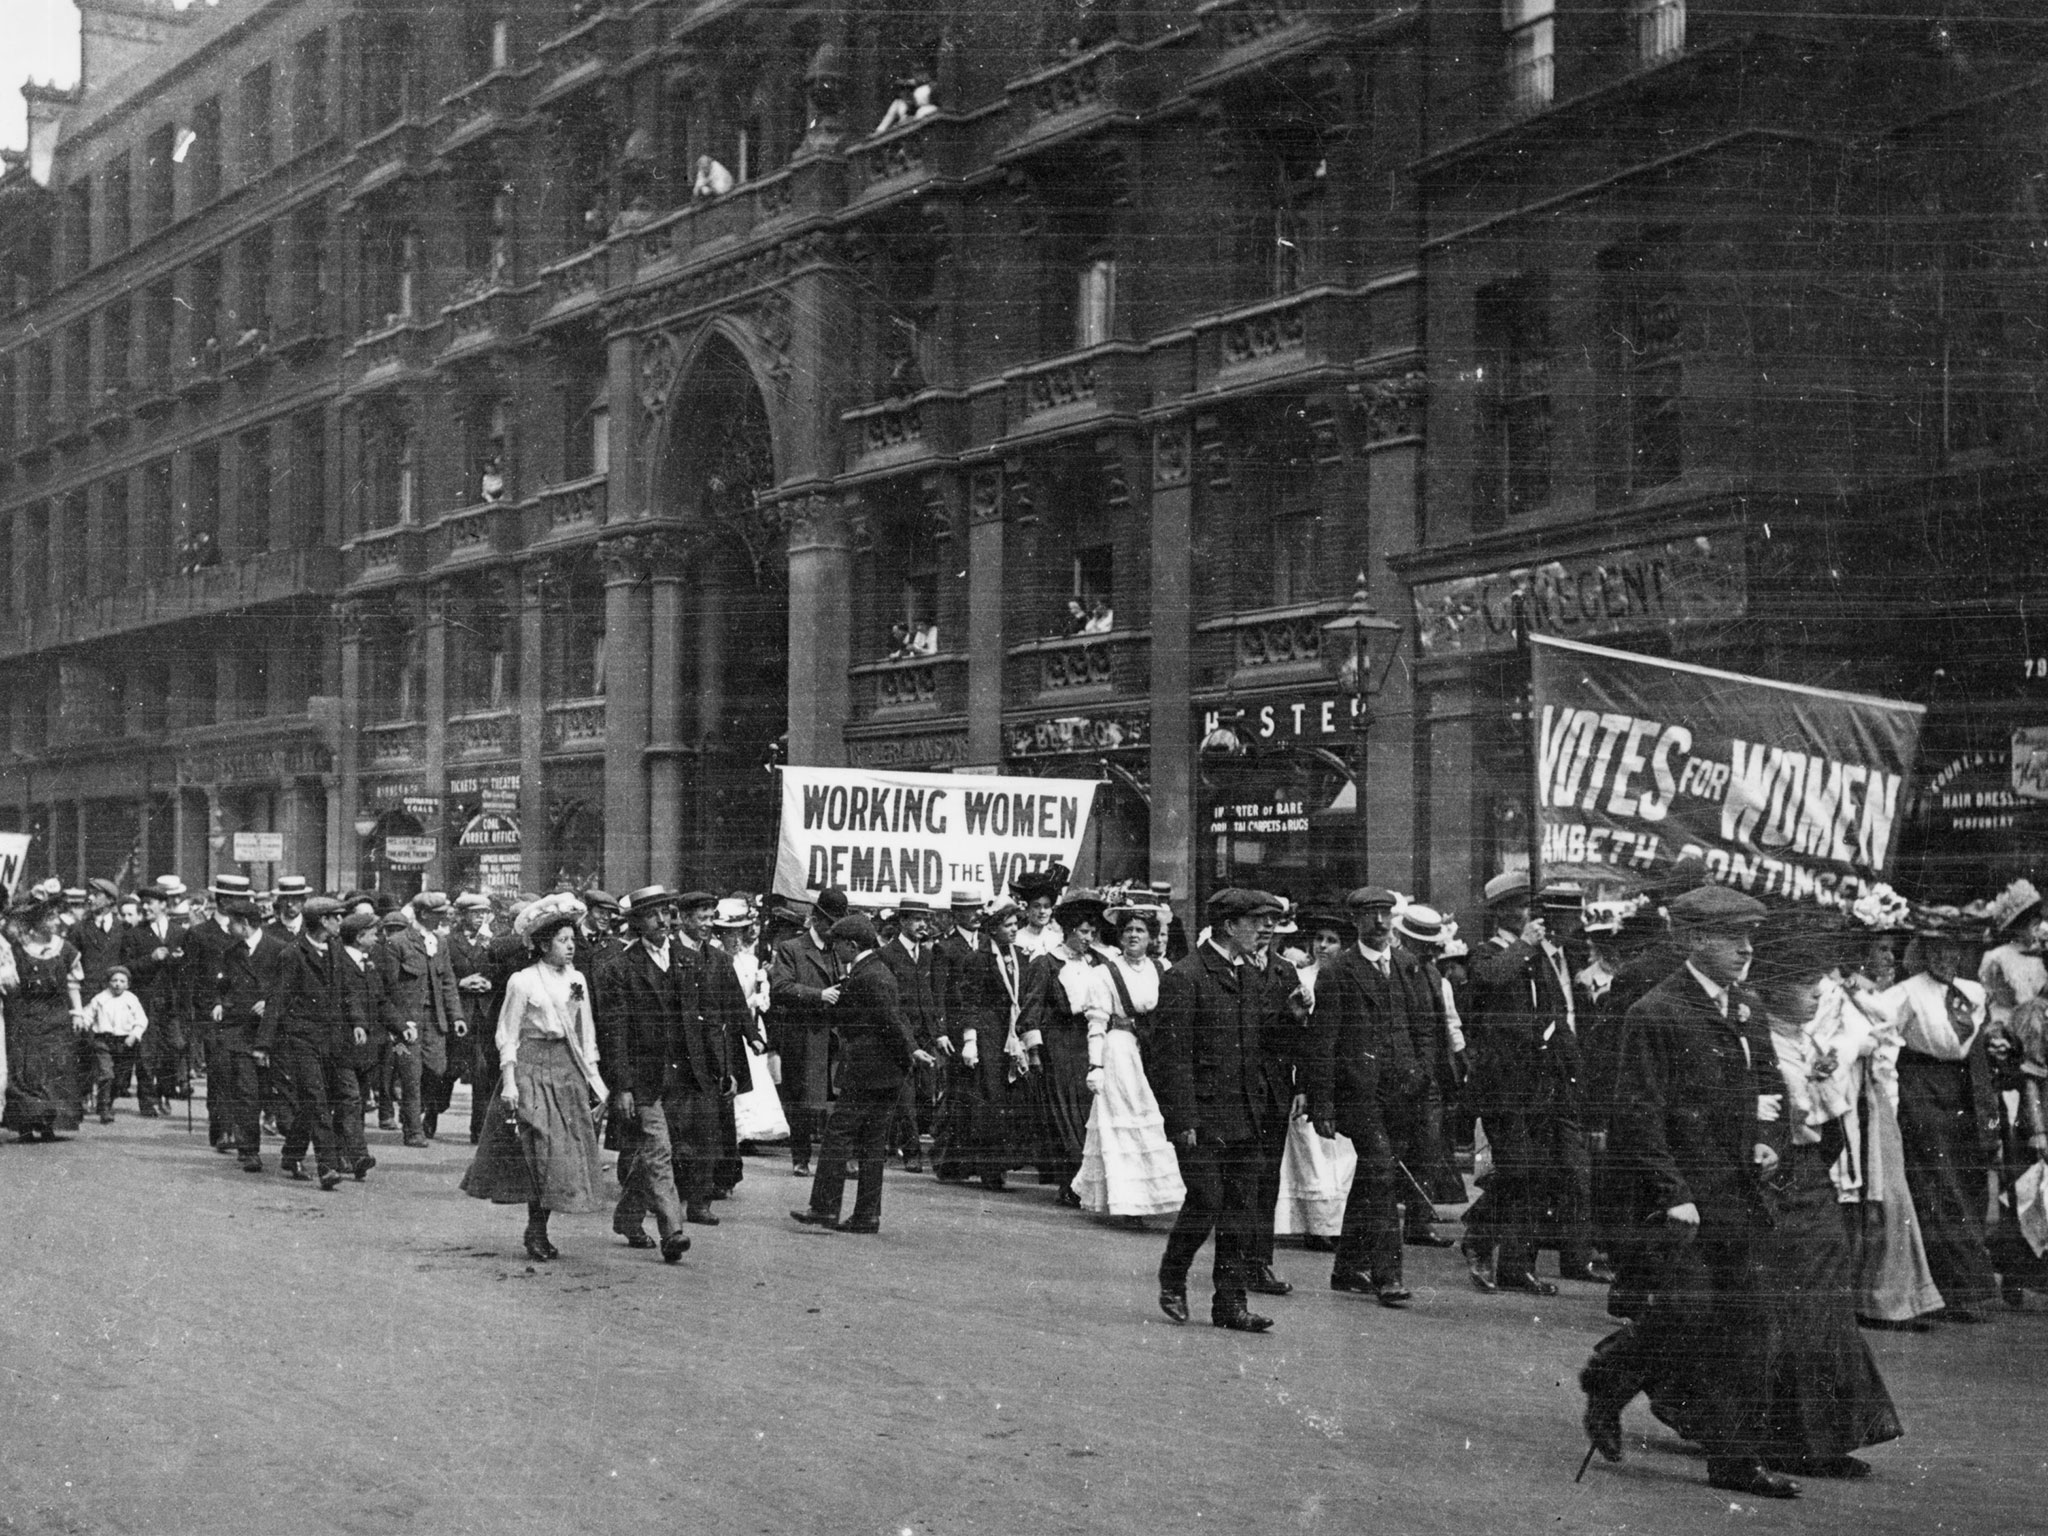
(541, 1149)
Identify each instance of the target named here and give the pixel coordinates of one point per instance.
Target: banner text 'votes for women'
(1786, 792)
(881, 836)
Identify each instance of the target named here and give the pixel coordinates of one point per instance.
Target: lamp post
(1366, 640)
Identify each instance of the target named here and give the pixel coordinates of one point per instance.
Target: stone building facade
(475, 444)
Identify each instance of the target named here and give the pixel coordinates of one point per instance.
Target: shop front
(1113, 747)
(397, 827)
(483, 833)
(1278, 803)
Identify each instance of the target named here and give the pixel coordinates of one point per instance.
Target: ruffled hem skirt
(1128, 1167)
(1315, 1181)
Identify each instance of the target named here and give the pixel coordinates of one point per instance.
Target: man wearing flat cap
(482, 989)
(156, 984)
(1213, 1009)
(428, 1001)
(1698, 1080)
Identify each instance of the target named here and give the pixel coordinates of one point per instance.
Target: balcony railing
(490, 733)
(483, 322)
(575, 725)
(1081, 94)
(401, 744)
(906, 158)
(574, 283)
(1104, 380)
(1069, 666)
(488, 528)
(479, 109)
(1269, 646)
(1317, 327)
(909, 685)
(895, 432)
(576, 59)
(390, 155)
(569, 508)
(237, 586)
(399, 350)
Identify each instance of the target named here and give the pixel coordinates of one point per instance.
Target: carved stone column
(986, 598)
(354, 619)
(626, 619)
(535, 581)
(1174, 779)
(820, 642)
(668, 559)
(434, 734)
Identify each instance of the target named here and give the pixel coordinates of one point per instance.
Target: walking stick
(1416, 1184)
(1585, 1464)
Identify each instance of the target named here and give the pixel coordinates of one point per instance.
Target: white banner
(13, 860)
(883, 836)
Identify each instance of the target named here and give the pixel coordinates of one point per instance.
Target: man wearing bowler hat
(1212, 1011)
(251, 984)
(206, 945)
(878, 1049)
(152, 952)
(908, 956)
(803, 989)
(1365, 1089)
(1698, 1079)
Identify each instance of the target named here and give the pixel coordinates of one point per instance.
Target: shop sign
(1979, 792)
(930, 751)
(408, 795)
(1286, 721)
(259, 848)
(1633, 590)
(411, 852)
(498, 873)
(255, 765)
(1259, 815)
(1065, 735)
(496, 794)
(489, 830)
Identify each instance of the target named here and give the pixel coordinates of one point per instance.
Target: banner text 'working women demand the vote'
(881, 837)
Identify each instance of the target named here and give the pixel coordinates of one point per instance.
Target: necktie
(1962, 1017)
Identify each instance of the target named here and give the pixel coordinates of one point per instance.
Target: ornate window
(1531, 53)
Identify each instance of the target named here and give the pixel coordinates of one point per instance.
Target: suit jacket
(724, 1004)
(246, 979)
(913, 989)
(425, 994)
(1527, 1055)
(312, 1008)
(1209, 1075)
(159, 983)
(654, 1034)
(1685, 1127)
(206, 946)
(366, 1005)
(798, 971)
(953, 964)
(99, 950)
(472, 957)
(876, 1036)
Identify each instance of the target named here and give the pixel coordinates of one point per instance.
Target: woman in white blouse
(542, 1150)
(1128, 1167)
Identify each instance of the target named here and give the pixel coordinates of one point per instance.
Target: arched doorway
(719, 463)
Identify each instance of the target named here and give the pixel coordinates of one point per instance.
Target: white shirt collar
(1716, 994)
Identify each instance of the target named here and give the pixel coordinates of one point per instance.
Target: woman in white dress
(1316, 1175)
(1128, 1167)
(757, 1113)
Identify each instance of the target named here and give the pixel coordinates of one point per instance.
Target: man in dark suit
(1698, 1079)
(721, 1003)
(803, 989)
(1524, 1048)
(312, 1045)
(1212, 1090)
(991, 997)
(1369, 1072)
(908, 956)
(428, 1001)
(666, 1061)
(953, 958)
(151, 951)
(1284, 1053)
(253, 983)
(366, 1013)
(878, 1047)
(469, 956)
(206, 944)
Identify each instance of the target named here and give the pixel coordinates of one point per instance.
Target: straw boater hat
(1421, 925)
(733, 912)
(548, 913)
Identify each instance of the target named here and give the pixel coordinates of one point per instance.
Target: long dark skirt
(1945, 1172)
(42, 1066)
(551, 1157)
(1058, 1093)
(1822, 1388)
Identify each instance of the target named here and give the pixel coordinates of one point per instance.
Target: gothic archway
(717, 464)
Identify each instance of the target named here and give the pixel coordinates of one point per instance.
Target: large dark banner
(1788, 793)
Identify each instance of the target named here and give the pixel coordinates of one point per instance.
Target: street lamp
(1365, 640)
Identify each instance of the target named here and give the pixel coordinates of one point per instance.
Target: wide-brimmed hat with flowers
(549, 912)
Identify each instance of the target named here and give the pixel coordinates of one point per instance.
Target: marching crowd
(1760, 1129)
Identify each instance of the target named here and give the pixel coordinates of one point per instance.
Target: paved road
(186, 1348)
